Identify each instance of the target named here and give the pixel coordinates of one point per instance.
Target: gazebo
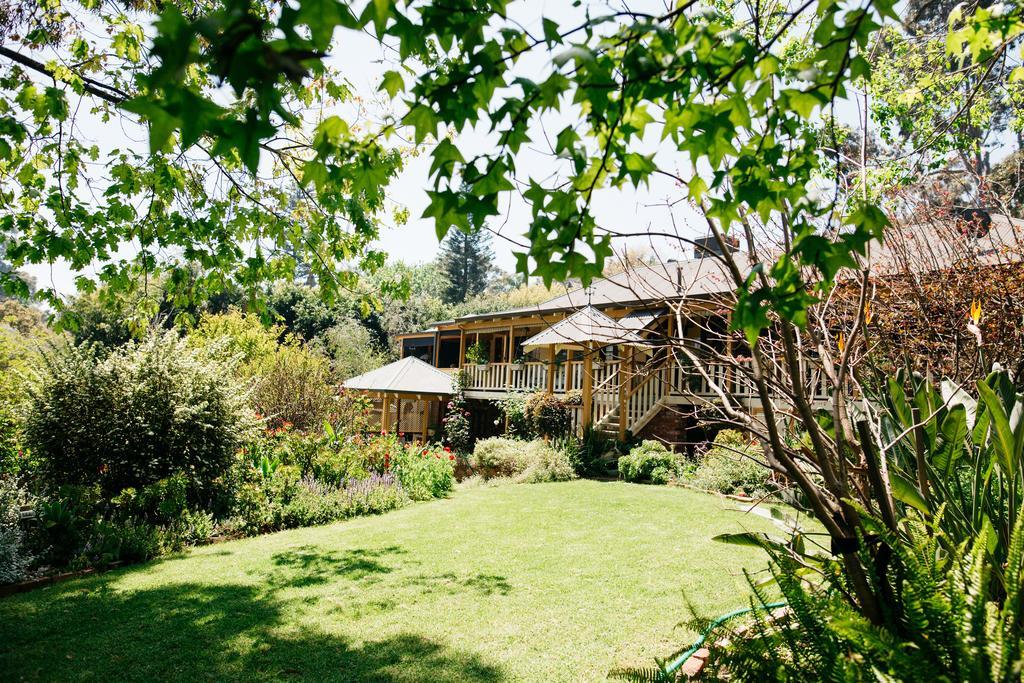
(586, 330)
(409, 394)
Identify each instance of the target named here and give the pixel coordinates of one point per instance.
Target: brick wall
(674, 425)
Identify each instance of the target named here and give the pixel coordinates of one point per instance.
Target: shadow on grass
(450, 583)
(309, 565)
(194, 631)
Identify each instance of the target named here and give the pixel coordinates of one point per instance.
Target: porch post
(462, 348)
(508, 360)
(398, 414)
(551, 369)
(385, 407)
(588, 386)
(625, 375)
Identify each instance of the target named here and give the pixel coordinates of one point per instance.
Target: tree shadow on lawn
(194, 631)
(309, 565)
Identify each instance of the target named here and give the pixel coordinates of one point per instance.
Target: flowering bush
(317, 503)
(425, 471)
(457, 432)
(529, 416)
(548, 414)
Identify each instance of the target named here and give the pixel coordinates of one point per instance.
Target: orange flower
(976, 311)
(841, 343)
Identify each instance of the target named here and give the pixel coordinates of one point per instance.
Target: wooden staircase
(644, 397)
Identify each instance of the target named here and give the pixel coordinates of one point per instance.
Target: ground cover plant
(493, 584)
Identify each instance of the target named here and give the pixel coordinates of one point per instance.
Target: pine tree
(466, 260)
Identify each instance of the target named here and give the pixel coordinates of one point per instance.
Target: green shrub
(650, 461)
(585, 454)
(65, 522)
(295, 387)
(235, 338)
(545, 463)
(525, 461)
(518, 423)
(321, 455)
(499, 457)
(15, 558)
(946, 620)
(136, 541)
(732, 466)
(136, 415)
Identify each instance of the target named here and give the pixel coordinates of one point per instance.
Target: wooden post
(588, 386)
(385, 407)
(728, 352)
(426, 420)
(508, 359)
(551, 369)
(398, 414)
(625, 373)
(462, 348)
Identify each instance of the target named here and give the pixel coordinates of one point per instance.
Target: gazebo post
(426, 419)
(385, 413)
(398, 413)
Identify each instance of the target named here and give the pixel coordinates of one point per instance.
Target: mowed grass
(544, 582)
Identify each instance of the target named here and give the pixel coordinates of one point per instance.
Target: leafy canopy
(225, 87)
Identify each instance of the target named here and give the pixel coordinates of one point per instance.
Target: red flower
(447, 449)
(451, 457)
(424, 451)
(437, 455)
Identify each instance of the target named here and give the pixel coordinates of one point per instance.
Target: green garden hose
(681, 659)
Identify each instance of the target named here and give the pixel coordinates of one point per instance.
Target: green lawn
(543, 582)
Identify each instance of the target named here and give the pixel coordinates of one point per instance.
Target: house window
(422, 348)
(448, 353)
(498, 349)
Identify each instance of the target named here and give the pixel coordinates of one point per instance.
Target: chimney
(708, 246)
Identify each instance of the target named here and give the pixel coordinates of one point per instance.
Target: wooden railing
(530, 377)
(645, 391)
(606, 390)
(645, 395)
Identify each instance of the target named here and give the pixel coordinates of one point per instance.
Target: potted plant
(477, 355)
(518, 362)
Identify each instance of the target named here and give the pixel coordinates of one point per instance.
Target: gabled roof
(699, 277)
(583, 326)
(407, 376)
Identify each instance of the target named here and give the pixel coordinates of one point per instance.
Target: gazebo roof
(587, 325)
(407, 376)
